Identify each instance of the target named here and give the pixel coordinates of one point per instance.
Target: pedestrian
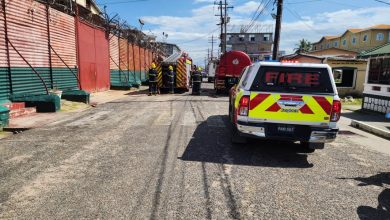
(171, 79)
(196, 81)
(152, 80)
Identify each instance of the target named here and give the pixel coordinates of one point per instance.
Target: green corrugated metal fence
(64, 79)
(25, 81)
(4, 84)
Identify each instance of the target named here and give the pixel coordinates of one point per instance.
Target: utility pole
(279, 13)
(208, 53)
(223, 7)
(222, 22)
(212, 41)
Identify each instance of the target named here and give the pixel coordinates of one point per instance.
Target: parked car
(286, 101)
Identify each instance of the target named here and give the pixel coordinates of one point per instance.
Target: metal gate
(94, 60)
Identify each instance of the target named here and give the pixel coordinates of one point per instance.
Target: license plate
(286, 129)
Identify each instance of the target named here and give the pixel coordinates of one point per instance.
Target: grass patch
(68, 106)
(358, 101)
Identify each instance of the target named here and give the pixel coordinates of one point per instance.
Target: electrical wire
(121, 2)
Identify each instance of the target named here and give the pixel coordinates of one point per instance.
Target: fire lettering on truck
(308, 79)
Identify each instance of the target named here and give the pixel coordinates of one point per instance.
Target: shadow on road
(382, 211)
(364, 116)
(211, 143)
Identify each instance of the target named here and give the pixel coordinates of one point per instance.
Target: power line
(121, 2)
(387, 3)
(198, 38)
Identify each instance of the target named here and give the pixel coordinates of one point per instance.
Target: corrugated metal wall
(137, 64)
(28, 19)
(143, 64)
(114, 60)
(132, 75)
(63, 46)
(4, 79)
(102, 60)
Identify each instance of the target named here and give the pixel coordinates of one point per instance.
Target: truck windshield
(292, 80)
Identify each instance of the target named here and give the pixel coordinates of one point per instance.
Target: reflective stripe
(286, 107)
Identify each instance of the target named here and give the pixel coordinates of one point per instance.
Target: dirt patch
(68, 106)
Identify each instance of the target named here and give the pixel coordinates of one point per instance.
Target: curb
(371, 129)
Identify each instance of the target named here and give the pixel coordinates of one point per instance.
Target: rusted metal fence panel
(114, 52)
(63, 50)
(28, 46)
(27, 30)
(102, 58)
(86, 56)
(123, 57)
(143, 64)
(137, 63)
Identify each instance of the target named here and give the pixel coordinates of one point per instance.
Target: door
(94, 58)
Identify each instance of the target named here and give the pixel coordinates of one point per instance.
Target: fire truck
(182, 65)
(229, 70)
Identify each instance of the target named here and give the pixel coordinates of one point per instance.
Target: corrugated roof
(330, 37)
(381, 50)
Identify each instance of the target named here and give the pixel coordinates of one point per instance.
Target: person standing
(153, 80)
(196, 81)
(171, 79)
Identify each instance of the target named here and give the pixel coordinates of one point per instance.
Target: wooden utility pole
(278, 27)
(212, 41)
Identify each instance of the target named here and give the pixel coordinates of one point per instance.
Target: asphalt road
(170, 157)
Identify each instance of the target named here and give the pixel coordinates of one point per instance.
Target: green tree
(303, 46)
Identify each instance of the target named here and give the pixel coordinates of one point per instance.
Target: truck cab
(286, 101)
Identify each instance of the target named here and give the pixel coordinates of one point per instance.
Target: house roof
(378, 51)
(357, 30)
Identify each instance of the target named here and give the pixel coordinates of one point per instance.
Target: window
(380, 36)
(315, 47)
(252, 37)
(241, 37)
(365, 38)
(379, 71)
(344, 77)
(336, 44)
(389, 36)
(321, 46)
(266, 37)
(229, 37)
(353, 40)
(376, 88)
(327, 45)
(292, 80)
(344, 42)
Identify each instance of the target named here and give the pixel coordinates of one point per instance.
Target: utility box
(4, 117)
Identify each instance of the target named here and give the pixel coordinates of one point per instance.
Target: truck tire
(237, 138)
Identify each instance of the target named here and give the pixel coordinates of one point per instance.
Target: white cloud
(192, 32)
(248, 7)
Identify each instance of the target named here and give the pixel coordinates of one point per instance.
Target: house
(258, 46)
(356, 39)
(377, 83)
(349, 72)
(90, 5)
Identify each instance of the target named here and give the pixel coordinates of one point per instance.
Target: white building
(376, 94)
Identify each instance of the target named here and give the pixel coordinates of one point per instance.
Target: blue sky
(189, 23)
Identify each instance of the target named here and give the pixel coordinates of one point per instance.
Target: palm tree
(303, 46)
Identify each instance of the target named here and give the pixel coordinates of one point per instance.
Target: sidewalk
(374, 123)
(68, 109)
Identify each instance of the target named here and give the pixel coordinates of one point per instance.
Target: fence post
(49, 44)
(7, 45)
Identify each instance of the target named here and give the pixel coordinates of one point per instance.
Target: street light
(141, 22)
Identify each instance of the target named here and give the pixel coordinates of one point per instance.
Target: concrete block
(371, 129)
